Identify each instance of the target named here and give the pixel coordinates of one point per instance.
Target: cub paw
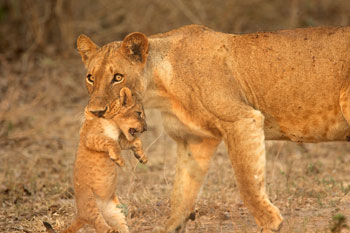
(112, 231)
(119, 161)
(274, 226)
(141, 157)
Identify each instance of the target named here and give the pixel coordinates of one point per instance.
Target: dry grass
(42, 97)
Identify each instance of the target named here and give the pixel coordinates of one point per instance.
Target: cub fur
(99, 151)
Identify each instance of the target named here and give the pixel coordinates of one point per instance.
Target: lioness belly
(179, 128)
(307, 127)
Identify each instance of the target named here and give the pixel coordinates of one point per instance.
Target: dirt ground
(42, 96)
(40, 120)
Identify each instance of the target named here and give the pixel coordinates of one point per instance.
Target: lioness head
(112, 67)
(130, 118)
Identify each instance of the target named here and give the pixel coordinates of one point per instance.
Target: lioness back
(293, 77)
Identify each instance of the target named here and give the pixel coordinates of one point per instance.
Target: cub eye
(118, 78)
(90, 79)
(139, 114)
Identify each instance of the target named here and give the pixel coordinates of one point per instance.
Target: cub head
(130, 118)
(112, 67)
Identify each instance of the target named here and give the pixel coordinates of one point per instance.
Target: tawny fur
(99, 151)
(242, 89)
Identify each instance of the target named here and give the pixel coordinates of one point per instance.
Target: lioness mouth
(132, 131)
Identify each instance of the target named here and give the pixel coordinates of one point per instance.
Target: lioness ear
(126, 97)
(135, 47)
(85, 47)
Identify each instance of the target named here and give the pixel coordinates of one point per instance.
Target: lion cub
(101, 142)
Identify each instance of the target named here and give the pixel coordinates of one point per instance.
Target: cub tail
(74, 227)
(48, 227)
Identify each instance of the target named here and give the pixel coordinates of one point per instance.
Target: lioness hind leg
(344, 102)
(192, 165)
(245, 141)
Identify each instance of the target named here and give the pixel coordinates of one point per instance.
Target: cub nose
(99, 113)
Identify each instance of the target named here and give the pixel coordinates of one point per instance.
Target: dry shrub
(51, 26)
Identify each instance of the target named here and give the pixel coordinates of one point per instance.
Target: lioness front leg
(246, 146)
(192, 165)
(104, 144)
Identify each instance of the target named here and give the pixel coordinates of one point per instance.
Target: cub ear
(85, 47)
(135, 47)
(126, 97)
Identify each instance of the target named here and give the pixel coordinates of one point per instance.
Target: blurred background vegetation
(51, 26)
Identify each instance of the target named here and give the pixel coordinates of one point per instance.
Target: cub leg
(92, 215)
(116, 199)
(114, 215)
(74, 226)
(192, 165)
(136, 146)
(245, 142)
(102, 143)
(138, 151)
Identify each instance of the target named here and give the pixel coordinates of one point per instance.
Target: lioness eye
(90, 78)
(118, 78)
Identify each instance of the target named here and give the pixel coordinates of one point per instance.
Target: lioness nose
(99, 113)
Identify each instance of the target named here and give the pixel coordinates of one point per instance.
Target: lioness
(243, 89)
(101, 141)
